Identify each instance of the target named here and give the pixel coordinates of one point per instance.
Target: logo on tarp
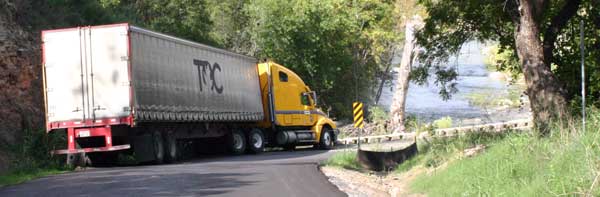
(203, 67)
(358, 114)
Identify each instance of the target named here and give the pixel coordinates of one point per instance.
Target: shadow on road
(137, 183)
(267, 157)
(220, 175)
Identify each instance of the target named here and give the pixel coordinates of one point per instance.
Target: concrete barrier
(385, 160)
(521, 124)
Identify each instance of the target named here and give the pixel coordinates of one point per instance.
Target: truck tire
(256, 141)
(76, 159)
(171, 147)
(159, 151)
(237, 142)
(326, 140)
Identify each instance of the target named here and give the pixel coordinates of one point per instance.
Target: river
(425, 103)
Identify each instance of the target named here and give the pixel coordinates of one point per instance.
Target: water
(425, 103)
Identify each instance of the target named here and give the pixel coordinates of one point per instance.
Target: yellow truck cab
(291, 110)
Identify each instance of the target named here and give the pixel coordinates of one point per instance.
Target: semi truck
(119, 88)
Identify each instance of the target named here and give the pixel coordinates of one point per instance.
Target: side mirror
(312, 95)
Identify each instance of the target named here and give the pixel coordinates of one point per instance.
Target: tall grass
(437, 151)
(344, 159)
(564, 163)
(30, 157)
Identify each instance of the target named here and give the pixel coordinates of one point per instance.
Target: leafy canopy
(450, 23)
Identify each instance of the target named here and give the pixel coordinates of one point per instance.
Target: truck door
(288, 96)
(109, 71)
(309, 105)
(66, 87)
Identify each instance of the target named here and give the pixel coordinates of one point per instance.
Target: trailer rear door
(87, 74)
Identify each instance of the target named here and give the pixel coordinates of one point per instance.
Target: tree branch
(559, 21)
(511, 7)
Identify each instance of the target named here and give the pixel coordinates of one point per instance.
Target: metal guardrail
(520, 124)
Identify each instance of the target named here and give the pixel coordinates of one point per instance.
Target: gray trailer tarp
(179, 80)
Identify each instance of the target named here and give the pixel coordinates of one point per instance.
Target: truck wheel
(76, 159)
(256, 141)
(237, 142)
(171, 147)
(159, 152)
(326, 141)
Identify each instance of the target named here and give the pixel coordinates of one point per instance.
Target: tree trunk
(385, 75)
(397, 110)
(543, 88)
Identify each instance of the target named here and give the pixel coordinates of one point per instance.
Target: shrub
(442, 123)
(31, 157)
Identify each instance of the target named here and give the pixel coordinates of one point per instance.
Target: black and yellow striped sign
(358, 114)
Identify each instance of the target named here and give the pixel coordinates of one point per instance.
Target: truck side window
(283, 77)
(304, 99)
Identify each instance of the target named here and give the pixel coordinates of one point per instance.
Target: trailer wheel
(326, 140)
(237, 142)
(256, 141)
(159, 152)
(76, 159)
(171, 147)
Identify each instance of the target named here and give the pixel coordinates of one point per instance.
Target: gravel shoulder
(356, 183)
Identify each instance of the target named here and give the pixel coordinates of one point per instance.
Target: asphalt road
(280, 173)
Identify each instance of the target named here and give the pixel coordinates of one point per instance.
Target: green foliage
(567, 65)
(323, 41)
(503, 60)
(416, 125)
(31, 157)
(187, 19)
(524, 165)
(232, 25)
(451, 23)
(379, 117)
(40, 15)
(16, 177)
(443, 123)
(344, 159)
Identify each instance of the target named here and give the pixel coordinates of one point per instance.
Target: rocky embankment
(21, 98)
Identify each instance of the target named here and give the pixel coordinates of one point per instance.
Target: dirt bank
(21, 98)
